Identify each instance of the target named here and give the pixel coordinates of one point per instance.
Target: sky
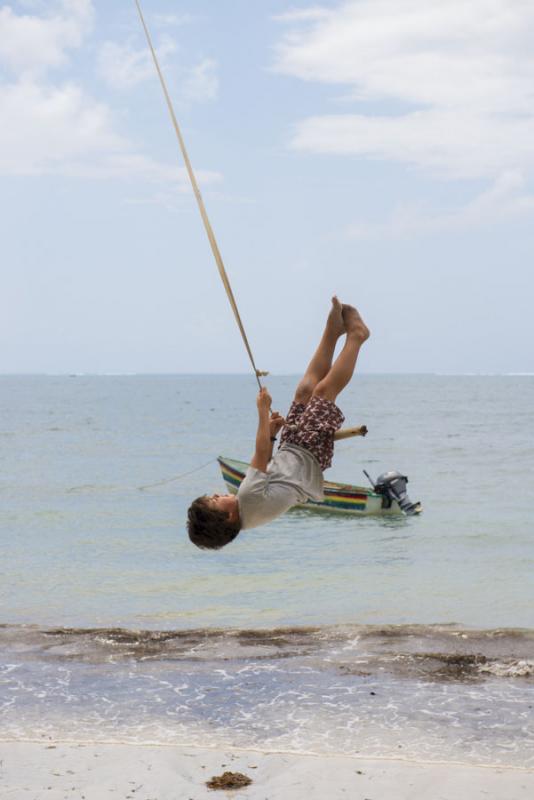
(382, 150)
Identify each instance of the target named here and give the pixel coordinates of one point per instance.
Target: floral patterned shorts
(312, 426)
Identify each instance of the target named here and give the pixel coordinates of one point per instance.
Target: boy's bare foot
(335, 323)
(354, 324)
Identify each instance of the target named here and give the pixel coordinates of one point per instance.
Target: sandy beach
(56, 770)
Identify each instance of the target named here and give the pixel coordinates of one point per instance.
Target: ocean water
(383, 636)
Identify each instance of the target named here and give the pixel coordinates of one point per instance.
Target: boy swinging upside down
(294, 475)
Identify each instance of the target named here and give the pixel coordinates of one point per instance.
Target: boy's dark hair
(209, 527)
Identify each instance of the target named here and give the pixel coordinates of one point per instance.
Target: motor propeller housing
(392, 486)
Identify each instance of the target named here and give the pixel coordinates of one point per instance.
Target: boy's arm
(264, 446)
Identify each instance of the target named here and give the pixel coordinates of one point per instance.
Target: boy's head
(213, 521)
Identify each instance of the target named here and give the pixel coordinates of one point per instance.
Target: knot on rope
(261, 374)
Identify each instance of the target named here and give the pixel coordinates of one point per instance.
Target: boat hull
(339, 498)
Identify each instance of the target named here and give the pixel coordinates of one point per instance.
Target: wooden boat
(339, 498)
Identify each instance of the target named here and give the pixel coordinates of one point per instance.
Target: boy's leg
(321, 362)
(343, 368)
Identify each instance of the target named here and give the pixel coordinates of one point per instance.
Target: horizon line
(250, 375)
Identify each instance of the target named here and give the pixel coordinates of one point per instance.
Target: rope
(200, 202)
(177, 477)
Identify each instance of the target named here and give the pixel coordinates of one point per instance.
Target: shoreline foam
(376, 691)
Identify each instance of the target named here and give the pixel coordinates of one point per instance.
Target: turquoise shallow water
(81, 545)
(89, 560)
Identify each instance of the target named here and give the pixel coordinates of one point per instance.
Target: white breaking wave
(513, 669)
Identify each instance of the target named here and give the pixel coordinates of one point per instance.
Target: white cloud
(58, 128)
(462, 75)
(172, 20)
(506, 198)
(63, 131)
(30, 43)
(302, 14)
(201, 82)
(51, 126)
(124, 66)
(451, 143)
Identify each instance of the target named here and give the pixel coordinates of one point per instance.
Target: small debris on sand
(229, 780)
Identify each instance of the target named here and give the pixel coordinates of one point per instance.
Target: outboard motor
(392, 486)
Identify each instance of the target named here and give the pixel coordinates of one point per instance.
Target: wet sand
(57, 770)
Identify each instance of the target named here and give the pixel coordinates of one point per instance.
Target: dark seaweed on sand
(229, 780)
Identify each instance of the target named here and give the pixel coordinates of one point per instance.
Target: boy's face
(223, 502)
